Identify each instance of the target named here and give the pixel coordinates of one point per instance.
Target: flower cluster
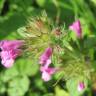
(10, 50)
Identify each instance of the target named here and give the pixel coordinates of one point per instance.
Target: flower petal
(46, 76)
(81, 86)
(76, 26)
(44, 58)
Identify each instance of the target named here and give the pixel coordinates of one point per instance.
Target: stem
(58, 16)
(56, 3)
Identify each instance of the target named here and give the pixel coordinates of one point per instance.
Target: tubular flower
(76, 27)
(9, 52)
(45, 61)
(45, 57)
(8, 44)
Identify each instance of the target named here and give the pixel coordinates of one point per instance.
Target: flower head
(81, 86)
(9, 52)
(76, 27)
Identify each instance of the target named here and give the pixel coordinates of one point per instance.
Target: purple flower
(45, 61)
(9, 52)
(45, 57)
(47, 72)
(8, 44)
(81, 86)
(76, 27)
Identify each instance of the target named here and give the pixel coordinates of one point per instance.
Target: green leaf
(18, 86)
(8, 28)
(2, 87)
(26, 67)
(1, 4)
(49, 94)
(90, 42)
(73, 35)
(41, 2)
(67, 45)
(8, 74)
(60, 92)
(93, 1)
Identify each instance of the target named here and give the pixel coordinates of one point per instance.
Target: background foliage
(24, 78)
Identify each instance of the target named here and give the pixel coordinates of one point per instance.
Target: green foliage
(60, 92)
(26, 67)
(41, 2)
(1, 4)
(18, 86)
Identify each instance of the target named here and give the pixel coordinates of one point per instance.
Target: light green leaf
(27, 67)
(8, 74)
(41, 2)
(60, 92)
(18, 86)
(2, 87)
(1, 4)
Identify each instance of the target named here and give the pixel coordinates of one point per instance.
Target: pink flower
(81, 86)
(76, 26)
(8, 45)
(9, 52)
(45, 57)
(47, 72)
(45, 61)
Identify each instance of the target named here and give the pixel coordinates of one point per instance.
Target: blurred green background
(24, 78)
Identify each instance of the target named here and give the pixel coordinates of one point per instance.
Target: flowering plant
(67, 53)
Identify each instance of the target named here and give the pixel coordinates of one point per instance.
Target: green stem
(58, 16)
